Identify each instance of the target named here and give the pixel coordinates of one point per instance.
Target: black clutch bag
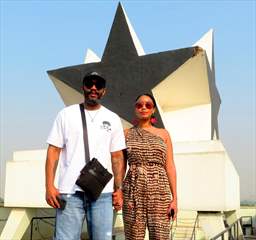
(93, 178)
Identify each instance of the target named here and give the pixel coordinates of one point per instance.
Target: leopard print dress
(146, 187)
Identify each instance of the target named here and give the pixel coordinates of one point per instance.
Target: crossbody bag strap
(85, 134)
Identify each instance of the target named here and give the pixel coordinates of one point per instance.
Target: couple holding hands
(146, 193)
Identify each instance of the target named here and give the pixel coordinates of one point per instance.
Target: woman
(149, 188)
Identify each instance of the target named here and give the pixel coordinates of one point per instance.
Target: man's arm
(118, 168)
(51, 164)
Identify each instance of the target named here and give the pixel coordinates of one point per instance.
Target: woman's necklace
(92, 117)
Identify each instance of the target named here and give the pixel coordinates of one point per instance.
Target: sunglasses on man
(89, 83)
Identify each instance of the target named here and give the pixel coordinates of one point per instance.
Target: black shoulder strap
(86, 147)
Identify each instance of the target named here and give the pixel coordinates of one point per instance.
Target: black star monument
(128, 72)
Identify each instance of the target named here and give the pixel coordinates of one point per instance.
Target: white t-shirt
(105, 134)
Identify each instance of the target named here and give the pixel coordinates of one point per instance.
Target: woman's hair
(148, 95)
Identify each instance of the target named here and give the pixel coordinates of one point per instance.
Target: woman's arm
(171, 173)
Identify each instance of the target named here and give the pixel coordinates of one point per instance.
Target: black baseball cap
(94, 76)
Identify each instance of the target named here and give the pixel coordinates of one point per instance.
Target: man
(66, 146)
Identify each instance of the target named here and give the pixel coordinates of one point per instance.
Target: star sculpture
(128, 72)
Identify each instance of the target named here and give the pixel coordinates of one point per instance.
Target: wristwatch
(119, 187)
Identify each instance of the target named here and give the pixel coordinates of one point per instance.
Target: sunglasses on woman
(97, 83)
(140, 105)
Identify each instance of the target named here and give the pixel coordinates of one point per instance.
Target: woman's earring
(153, 120)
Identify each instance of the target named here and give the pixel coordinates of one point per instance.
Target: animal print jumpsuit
(146, 187)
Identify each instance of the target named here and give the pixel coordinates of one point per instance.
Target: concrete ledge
(30, 155)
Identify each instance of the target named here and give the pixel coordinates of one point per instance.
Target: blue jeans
(98, 214)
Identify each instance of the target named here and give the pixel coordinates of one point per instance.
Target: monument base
(206, 177)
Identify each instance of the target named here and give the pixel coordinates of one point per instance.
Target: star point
(127, 70)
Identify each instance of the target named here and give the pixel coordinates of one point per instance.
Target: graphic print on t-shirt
(106, 126)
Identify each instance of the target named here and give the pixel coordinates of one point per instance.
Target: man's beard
(92, 102)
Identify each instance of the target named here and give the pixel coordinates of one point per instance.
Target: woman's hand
(172, 205)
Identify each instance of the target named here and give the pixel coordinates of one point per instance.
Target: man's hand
(117, 197)
(51, 197)
(52, 159)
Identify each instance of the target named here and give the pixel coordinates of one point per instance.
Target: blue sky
(40, 35)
